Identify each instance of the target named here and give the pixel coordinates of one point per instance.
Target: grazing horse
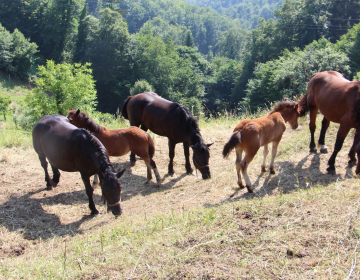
(250, 135)
(71, 149)
(338, 99)
(119, 142)
(172, 120)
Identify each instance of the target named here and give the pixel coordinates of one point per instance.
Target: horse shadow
(26, 215)
(134, 185)
(290, 178)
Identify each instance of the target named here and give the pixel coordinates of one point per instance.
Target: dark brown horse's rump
(71, 149)
(172, 120)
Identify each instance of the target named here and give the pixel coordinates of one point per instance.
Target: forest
(211, 56)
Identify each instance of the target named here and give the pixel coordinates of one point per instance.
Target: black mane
(184, 118)
(100, 156)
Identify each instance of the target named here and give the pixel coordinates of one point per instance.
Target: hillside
(300, 223)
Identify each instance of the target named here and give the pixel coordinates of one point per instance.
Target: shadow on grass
(290, 178)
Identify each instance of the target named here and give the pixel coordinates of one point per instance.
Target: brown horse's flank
(338, 99)
(250, 135)
(119, 142)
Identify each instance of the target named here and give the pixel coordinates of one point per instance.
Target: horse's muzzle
(117, 211)
(206, 175)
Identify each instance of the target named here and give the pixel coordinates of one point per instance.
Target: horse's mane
(184, 118)
(100, 156)
(281, 105)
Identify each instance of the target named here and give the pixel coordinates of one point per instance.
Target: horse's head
(290, 112)
(111, 190)
(201, 157)
(77, 118)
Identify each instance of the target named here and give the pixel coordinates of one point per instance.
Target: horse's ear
(208, 145)
(71, 108)
(193, 146)
(120, 173)
(77, 112)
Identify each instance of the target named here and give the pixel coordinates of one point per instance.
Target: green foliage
(288, 76)
(59, 87)
(4, 104)
(16, 53)
(141, 86)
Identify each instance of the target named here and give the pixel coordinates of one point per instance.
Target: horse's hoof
(263, 169)
(173, 175)
(352, 162)
(249, 189)
(323, 150)
(94, 212)
(331, 170)
(49, 188)
(313, 151)
(241, 186)
(52, 183)
(132, 163)
(272, 170)
(190, 172)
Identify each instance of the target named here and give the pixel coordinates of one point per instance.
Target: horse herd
(76, 143)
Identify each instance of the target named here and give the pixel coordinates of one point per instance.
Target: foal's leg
(239, 152)
(249, 156)
(324, 126)
(95, 181)
(151, 165)
(352, 161)
(189, 170)
(89, 191)
(171, 155)
(265, 153)
(312, 126)
(148, 169)
(44, 165)
(273, 154)
(340, 137)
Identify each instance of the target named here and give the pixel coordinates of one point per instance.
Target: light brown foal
(250, 135)
(119, 142)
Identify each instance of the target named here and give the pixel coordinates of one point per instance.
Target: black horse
(71, 149)
(172, 120)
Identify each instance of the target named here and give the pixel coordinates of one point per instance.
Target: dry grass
(300, 223)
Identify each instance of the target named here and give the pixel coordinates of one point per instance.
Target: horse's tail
(124, 108)
(303, 106)
(151, 145)
(235, 139)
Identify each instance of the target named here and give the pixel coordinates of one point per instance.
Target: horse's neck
(194, 138)
(92, 126)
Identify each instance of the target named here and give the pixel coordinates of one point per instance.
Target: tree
(4, 104)
(60, 87)
(141, 86)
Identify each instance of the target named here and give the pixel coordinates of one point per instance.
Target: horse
(119, 142)
(172, 120)
(250, 135)
(71, 149)
(338, 99)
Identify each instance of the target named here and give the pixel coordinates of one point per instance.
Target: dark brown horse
(338, 99)
(250, 135)
(172, 120)
(119, 142)
(71, 149)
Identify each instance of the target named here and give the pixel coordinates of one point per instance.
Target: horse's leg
(44, 165)
(89, 191)
(265, 153)
(239, 152)
(244, 166)
(171, 155)
(157, 175)
(95, 181)
(148, 169)
(56, 176)
(324, 126)
(189, 170)
(275, 145)
(352, 161)
(150, 164)
(312, 126)
(340, 137)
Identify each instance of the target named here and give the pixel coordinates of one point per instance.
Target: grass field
(300, 223)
